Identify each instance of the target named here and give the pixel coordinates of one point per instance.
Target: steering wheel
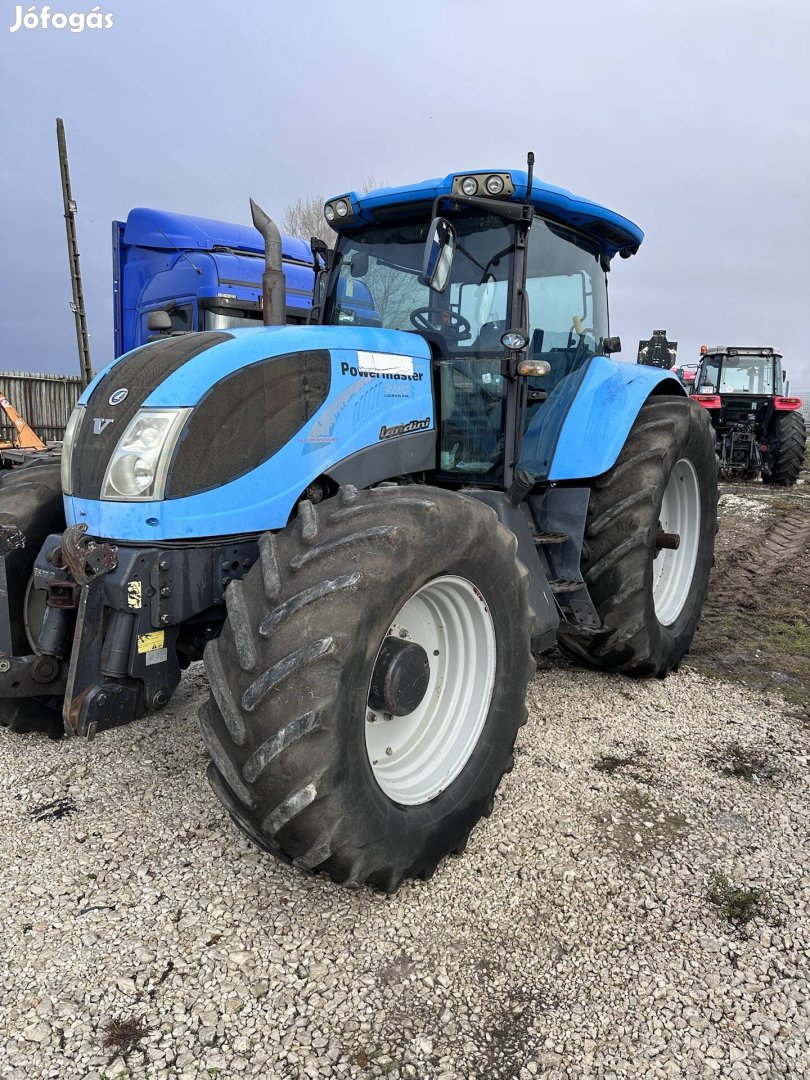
(441, 321)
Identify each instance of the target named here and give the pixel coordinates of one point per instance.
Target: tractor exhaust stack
(274, 284)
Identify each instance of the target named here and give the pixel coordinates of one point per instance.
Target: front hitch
(88, 562)
(86, 559)
(121, 623)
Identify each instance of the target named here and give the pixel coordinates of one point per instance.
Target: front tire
(307, 767)
(650, 598)
(30, 499)
(788, 443)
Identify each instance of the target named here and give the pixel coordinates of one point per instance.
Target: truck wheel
(31, 499)
(650, 597)
(369, 683)
(786, 457)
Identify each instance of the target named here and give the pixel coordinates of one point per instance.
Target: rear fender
(580, 431)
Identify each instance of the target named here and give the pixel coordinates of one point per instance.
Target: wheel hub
(415, 755)
(401, 677)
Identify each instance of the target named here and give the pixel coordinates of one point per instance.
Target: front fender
(580, 431)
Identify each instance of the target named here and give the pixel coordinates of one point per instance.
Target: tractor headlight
(69, 441)
(494, 185)
(329, 212)
(341, 208)
(469, 185)
(138, 467)
(514, 340)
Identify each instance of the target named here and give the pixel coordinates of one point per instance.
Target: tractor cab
(505, 278)
(741, 384)
(748, 373)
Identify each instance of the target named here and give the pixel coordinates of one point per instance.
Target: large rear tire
(30, 499)
(306, 765)
(788, 442)
(648, 597)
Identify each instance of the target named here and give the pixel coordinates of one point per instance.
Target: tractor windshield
(378, 284)
(742, 373)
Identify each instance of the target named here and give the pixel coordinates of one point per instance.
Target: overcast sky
(689, 117)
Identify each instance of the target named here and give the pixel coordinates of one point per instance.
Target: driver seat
(489, 336)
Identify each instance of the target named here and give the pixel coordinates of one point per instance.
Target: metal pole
(82, 337)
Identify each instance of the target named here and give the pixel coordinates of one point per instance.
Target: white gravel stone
(573, 938)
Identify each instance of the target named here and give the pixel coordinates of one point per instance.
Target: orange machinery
(26, 438)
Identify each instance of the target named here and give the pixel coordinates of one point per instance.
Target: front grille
(246, 418)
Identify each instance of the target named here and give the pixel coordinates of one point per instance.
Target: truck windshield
(740, 374)
(377, 283)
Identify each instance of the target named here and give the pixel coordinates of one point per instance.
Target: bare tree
(304, 217)
(370, 183)
(394, 294)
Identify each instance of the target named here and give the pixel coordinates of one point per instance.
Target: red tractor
(759, 429)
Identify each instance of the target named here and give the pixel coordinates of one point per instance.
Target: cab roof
(613, 233)
(742, 350)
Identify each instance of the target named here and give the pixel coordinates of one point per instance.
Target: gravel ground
(574, 938)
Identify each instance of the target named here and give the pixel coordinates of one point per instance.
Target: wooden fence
(44, 400)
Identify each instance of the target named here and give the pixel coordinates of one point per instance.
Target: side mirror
(359, 266)
(440, 248)
(322, 254)
(158, 321)
(612, 345)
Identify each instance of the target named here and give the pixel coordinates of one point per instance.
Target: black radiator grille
(246, 418)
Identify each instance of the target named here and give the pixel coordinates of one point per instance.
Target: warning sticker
(150, 642)
(134, 594)
(156, 656)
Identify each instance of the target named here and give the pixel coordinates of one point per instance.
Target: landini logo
(44, 18)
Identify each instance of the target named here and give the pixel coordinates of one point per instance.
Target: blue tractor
(370, 526)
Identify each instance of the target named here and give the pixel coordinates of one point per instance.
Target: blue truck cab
(206, 274)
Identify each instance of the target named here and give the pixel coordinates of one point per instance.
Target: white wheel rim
(415, 757)
(673, 570)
